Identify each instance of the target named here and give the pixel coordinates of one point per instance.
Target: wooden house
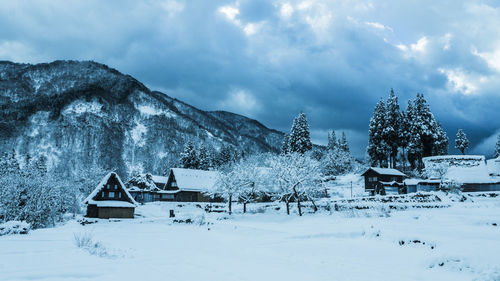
(145, 190)
(188, 185)
(110, 199)
(378, 180)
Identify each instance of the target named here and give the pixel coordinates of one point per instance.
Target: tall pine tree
(391, 128)
(343, 145)
(332, 141)
(404, 135)
(377, 148)
(189, 157)
(285, 146)
(204, 158)
(300, 140)
(461, 142)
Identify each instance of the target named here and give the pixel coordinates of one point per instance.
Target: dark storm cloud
(270, 60)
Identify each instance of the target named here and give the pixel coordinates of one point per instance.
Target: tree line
(404, 135)
(297, 174)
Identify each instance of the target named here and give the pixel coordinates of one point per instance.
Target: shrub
(14, 227)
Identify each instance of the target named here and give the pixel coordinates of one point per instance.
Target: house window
(116, 187)
(102, 195)
(111, 194)
(372, 179)
(107, 186)
(119, 195)
(174, 184)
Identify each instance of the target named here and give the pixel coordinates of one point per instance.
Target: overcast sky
(270, 60)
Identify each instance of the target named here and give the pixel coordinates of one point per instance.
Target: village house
(182, 185)
(472, 173)
(189, 185)
(383, 180)
(110, 199)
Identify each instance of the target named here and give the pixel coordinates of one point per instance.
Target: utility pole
(351, 189)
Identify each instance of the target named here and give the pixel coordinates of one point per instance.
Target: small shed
(432, 184)
(376, 179)
(110, 199)
(189, 185)
(411, 185)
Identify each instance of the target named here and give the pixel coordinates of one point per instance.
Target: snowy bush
(451, 187)
(85, 241)
(14, 227)
(33, 195)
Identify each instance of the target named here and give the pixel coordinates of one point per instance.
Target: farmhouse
(110, 199)
(189, 185)
(471, 172)
(382, 180)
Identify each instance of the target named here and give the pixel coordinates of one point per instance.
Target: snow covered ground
(461, 243)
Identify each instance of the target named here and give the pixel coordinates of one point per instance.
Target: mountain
(85, 114)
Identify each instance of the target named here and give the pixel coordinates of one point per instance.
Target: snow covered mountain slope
(80, 114)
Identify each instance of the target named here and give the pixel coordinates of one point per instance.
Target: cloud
(239, 100)
(487, 145)
(271, 60)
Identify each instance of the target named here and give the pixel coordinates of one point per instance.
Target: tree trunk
(230, 200)
(314, 205)
(287, 207)
(244, 207)
(298, 206)
(404, 160)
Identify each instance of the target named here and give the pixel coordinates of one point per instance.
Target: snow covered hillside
(80, 114)
(456, 243)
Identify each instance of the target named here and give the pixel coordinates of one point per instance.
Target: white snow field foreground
(461, 242)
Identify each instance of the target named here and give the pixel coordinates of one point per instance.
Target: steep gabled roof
(194, 180)
(101, 185)
(385, 171)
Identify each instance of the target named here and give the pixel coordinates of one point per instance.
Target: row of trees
(204, 158)
(411, 134)
(286, 177)
(295, 175)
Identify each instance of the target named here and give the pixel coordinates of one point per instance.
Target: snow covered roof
(454, 157)
(386, 171)
(476, 174)
(412, 181)
(459, 168)
(160, 179)
(493, 166)
(112, 203)
(390, 183)
(195, 180)
(101, 185)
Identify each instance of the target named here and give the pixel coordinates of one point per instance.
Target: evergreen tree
(300, 140)
(441, 143)
(377, 148)
(9, 164)
(427, 137)
(461, 142)
(285, 147)
(332, 141)
(189, 157)
(225, 156)
(391, 128)
(404, 135)
(204, 158)
(424, 125)
(497, 147)
(343, 145)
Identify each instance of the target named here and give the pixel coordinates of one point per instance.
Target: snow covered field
(461, 243)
